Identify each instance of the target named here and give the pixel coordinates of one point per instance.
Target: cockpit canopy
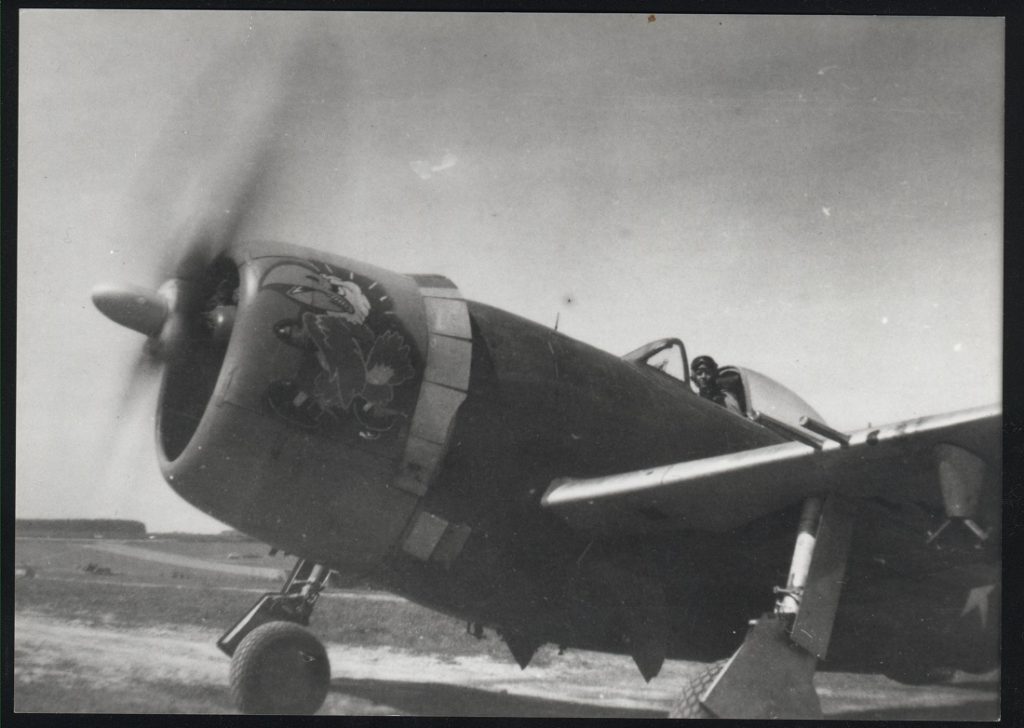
(665, 355)
(755, 392)
(760, 394)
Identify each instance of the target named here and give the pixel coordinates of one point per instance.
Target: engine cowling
(323, 419)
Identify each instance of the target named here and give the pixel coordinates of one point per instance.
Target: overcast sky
(819, 198)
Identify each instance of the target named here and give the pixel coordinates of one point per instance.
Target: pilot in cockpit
(704, 371)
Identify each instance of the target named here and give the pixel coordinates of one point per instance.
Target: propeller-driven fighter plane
(496, 470)
(499, 471)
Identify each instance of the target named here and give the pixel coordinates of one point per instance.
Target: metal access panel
(424, 536)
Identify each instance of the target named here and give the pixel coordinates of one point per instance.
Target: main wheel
(280, 668)
(688, 703)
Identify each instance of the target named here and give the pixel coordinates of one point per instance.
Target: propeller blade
(209, 180)
(214, 230)
(229, 148)
(141, 380)
(197, 186)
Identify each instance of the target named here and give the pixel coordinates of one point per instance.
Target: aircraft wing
(942, 460)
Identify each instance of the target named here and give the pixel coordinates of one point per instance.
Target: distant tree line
(229, 535)
(80, 527)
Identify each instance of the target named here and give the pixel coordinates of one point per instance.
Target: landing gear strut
(277, 665)
(771, 675)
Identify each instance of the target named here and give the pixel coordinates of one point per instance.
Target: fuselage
(379, 422)
(540, 406)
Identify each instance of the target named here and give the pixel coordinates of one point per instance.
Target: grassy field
(87, 642)
(251, 553)
(141, 593)
(60, 556)
(141, 599)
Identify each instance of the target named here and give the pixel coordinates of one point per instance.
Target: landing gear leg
(772, 673)
(277, 665)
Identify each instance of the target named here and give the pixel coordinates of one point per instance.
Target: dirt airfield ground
(141, 640)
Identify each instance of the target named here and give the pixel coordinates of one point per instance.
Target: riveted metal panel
(450, 545)
(448, 316)
(446, 379)
(418, 465)
(424, 535)
(410, 484)
(435, 412)
(448, 362)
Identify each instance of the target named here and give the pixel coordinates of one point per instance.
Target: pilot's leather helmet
(704, 362)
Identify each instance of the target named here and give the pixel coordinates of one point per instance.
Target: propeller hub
(139, 309)
(221, 321)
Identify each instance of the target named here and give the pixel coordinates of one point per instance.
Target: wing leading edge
(941, 460)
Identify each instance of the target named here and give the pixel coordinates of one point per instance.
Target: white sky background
(816, 198)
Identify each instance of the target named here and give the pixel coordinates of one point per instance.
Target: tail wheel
(688, 704)
(280, 668)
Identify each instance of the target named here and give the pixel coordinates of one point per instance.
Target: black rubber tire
(688, 703)
(280, 668)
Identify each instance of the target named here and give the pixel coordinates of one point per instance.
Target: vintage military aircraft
(494, 469)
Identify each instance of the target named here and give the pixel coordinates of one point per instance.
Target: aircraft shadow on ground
(434, 699)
